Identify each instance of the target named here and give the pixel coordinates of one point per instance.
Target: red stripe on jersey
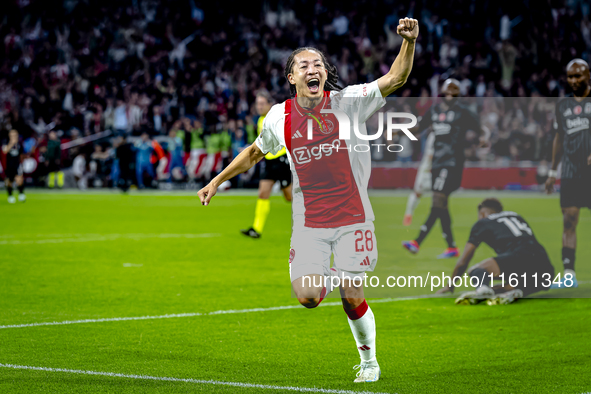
(287, 127)
(331, 197)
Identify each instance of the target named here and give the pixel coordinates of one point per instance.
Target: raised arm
(242, 163)
(556, 156)
(409, 30)
(460, 267)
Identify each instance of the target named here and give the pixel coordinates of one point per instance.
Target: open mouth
(314, 85)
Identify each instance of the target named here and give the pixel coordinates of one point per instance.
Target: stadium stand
(102, 68)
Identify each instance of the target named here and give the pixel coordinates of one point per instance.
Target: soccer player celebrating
(14, 171)
(276, 169)
(520, 256)
(331, 209)
(449, 120)
(572, 143)
(422, 180)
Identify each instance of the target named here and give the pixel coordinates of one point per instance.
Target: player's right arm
(556, 149)
(242, 163)
(478, 233)
(460, 267)
(556, 156)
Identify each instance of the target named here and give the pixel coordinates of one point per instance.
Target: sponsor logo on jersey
(304, 154)
(576, 124)
(441, 128)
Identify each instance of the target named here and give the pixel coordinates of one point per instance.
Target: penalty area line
(181, 380)
(195, 314)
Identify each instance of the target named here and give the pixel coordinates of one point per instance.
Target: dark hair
(491, 203)
(332, 79)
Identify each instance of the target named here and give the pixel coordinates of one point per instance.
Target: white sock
(364, 332)
(412, 203)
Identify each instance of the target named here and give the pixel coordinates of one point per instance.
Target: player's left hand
(589, 160)
(408, 29)
(445, 289)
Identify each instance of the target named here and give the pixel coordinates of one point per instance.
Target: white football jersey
(330, 174)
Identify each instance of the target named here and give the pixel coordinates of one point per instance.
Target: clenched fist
(408, 29)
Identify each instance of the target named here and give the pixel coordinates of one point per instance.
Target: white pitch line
(104, 237)
(177, 315)
(196, 381)
(220, 312)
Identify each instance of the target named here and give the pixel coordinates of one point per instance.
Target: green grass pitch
(68, 257)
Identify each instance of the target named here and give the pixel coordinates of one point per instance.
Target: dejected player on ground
(449, 120)
(14, 170)
(331, 210)
(520, 257)
(572, 143)
(276, 170)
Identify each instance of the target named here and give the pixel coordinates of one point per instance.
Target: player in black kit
(450, 120)
(14, 170)
(573, 143)
(520, 257)
(126, 156)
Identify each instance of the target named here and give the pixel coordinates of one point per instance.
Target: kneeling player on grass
(519, 256)
(331, 210)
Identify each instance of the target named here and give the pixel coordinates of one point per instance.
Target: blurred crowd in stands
(189, 70)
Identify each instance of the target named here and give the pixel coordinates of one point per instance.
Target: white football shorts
(354, 247)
